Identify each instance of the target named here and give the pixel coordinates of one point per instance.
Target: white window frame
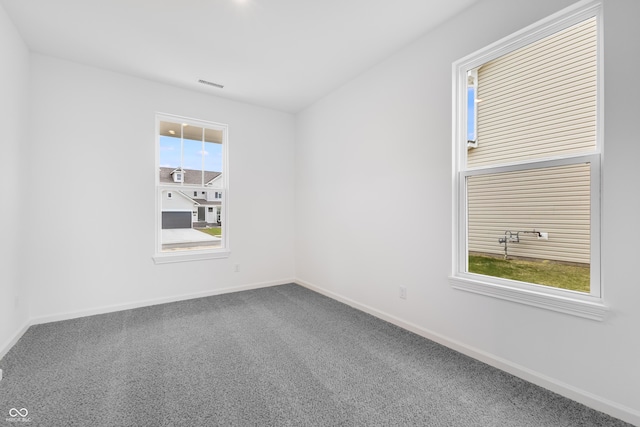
(585, 305)
(224, 251)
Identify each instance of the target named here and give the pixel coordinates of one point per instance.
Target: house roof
(191, 176)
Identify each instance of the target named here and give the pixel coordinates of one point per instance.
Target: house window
(527, 150)
(191, 159)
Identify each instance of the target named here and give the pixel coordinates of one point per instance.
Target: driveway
(187, 238)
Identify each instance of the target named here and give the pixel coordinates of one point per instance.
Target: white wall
(14, 89)
(93, 132)
(389, 132)
(385, 133)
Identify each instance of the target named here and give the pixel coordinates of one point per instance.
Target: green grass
(554, 274)
(214, 231)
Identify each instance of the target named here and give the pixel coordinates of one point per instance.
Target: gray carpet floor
(277, 356)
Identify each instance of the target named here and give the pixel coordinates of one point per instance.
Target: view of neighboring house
(185, 207)
(189, 207)
(518, 118)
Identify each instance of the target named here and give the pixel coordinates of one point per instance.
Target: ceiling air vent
(204, 82)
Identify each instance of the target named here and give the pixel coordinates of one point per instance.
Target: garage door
(176, 220)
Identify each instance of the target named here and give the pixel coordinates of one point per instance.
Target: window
(527, 154)
(177, 175)
(472, 110)
(191, 159)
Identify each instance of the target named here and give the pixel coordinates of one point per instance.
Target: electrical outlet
(403, 292)
(543, 236)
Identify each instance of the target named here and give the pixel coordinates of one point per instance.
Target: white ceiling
(282, 54)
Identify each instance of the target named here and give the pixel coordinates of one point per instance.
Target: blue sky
(471, 115)
(193, 154)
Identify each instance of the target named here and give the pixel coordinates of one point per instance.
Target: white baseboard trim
(586, 398)
(146, 303)
(119, 307)
(13, 340)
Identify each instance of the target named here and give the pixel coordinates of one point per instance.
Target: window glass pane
(213, 158)
(191, 191)
(471, 114)
(189, 223)
(193, 161)
(538, 101)
(170, 150)
(532, 225)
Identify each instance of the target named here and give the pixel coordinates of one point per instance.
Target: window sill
(170, 257)
(593, 310)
